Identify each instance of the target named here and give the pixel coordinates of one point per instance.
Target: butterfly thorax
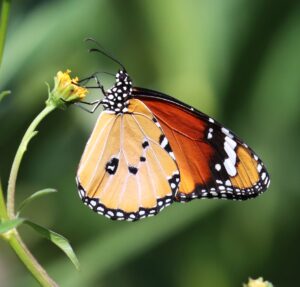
(117, 98)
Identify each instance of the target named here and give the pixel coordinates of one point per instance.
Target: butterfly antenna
(103, 52)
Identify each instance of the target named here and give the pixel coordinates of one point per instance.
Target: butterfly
(148, 150)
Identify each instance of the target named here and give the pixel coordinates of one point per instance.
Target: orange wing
(127, 170)
(212, 161)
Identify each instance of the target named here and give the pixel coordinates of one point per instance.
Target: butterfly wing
(127, 170)
(213, 162)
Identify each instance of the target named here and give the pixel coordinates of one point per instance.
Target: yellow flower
(66, 90)
(258, 283)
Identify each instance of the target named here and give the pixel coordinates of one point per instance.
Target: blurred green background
(237, 60)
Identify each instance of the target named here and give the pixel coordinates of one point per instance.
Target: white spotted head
(123, 77)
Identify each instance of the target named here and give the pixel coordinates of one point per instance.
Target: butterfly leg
(95, 105)
(99, 85)
(84, 81)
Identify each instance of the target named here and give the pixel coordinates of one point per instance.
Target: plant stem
(3, 211)
(13, 237)
(3, 24)
(18, 157)
(29, 261)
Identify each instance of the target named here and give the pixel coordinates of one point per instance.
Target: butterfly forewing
(213, 162)
(128, 170)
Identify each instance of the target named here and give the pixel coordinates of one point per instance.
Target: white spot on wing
(93, 202)
(110, 213)
(225, 131)
(259, 167)
(172, 155)
(218, 167)
(164, 142)
(230, 168)
(228, 182)
(100, 208)
(230, 152)
(231, 142)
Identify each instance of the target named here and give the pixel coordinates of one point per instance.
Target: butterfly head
(123, 77)
(123, 82)
(117, 97)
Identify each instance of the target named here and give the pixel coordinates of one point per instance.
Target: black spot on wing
(174, 181)
(164, 143)
(132, 169)
(145, 144)
(112, 165)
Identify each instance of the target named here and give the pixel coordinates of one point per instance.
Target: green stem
(3, 24)
(29, 261)
(30, 133)
(13, 237)
(3, 211)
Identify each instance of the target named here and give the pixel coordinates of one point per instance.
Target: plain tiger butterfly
(148, 150)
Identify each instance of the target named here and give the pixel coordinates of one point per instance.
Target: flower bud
(257, 283)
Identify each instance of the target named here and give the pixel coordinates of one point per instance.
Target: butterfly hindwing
(128, 170)
(213, 162)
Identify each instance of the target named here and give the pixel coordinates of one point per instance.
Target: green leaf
(34, 196)
(10, 224)
(60, 241)
(4, 94)
(139, 238)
